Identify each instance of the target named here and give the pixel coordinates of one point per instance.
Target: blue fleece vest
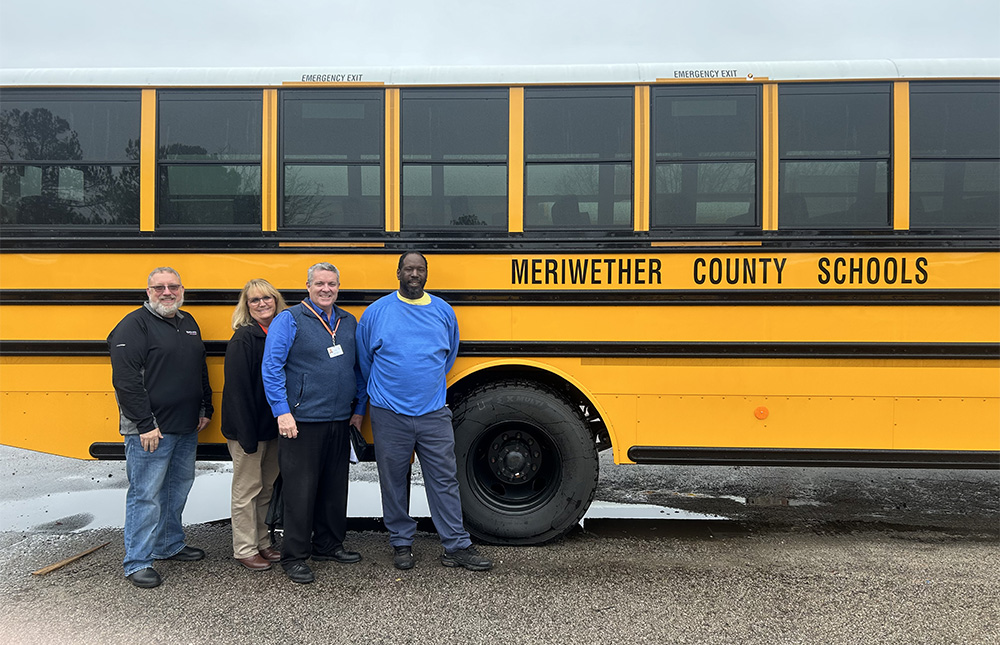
(320, 388)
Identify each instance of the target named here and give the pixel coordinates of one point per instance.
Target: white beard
(167, 311)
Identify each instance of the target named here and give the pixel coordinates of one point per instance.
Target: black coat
(246, 416)
(159, 373)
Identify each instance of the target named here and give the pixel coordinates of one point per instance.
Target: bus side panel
(766, 422)
(964, 423)
(62, 405)
(623, 423)
(803, 404)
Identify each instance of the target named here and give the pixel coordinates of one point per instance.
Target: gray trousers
(431, 435)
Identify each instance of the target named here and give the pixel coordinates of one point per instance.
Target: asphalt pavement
(805, 556)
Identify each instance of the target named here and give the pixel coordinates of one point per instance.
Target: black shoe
(146, 578)
(299, 572)
(469, 558)
(340, 554)
(188, 554)
(403, 558)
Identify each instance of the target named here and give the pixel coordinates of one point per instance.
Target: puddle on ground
(209, 501)
(613, 510)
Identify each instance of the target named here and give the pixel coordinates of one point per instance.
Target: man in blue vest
(407, 342)
(314, 387)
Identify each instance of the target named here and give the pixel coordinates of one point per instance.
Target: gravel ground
(780, 587)
(813, 557)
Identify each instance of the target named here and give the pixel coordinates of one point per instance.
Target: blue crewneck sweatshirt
(405, 350)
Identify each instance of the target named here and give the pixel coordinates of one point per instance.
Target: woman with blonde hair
(250, 429)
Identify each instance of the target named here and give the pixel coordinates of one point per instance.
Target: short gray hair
(320, 266)
(162, 270)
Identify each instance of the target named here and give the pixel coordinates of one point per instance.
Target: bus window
(331, 158)
(70, 158)
(833, 145)
(706, 143)
(208, 157)
(578, 150)
(955, 155)
(454, 152)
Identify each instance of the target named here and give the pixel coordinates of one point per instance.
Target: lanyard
(333, 333)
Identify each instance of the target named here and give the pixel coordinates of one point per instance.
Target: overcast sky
(321, 33)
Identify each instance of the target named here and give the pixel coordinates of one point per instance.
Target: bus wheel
(527, 463)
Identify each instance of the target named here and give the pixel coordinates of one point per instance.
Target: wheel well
(552, 381)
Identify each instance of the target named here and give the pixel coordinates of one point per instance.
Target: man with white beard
(161, 384)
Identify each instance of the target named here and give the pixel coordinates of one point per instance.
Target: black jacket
(246, 416)
(159, 373)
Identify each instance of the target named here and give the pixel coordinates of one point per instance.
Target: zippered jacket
(246, 416)
(159, 373)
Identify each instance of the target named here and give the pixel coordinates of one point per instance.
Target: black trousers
(314, 471)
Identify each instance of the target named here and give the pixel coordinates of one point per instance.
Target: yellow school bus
(734, 263)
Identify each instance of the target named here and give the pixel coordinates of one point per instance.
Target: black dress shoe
(188, 554)
(146, 578)
(299, 572)
(340, 554)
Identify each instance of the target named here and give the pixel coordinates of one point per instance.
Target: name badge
(335, 351)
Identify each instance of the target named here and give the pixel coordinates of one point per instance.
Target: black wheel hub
(515, 457)
(514, 467)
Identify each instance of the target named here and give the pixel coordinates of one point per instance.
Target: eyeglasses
(158, 288)
(257, 301)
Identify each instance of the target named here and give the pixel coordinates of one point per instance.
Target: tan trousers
(253, 483)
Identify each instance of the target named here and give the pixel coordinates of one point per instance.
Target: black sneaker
(469, 558)
(402, 558)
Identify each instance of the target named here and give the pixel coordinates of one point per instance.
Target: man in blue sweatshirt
(313, 384)
(407, 342)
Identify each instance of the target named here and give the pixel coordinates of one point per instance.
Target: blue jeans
(159, 483)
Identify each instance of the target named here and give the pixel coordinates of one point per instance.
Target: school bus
(788, 263)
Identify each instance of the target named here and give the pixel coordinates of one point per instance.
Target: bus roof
(882, 69)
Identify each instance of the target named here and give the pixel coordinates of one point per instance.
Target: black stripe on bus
(115, 451)
(206, 451)
(687, 456)
(830, 458)
(565, 297)
(553, 349)
(340, 242)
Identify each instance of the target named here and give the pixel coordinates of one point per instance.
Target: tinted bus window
(955, 155)
(578, 158)
(706, 143)
(454, 147)
(70, 158)
(331, 158)
(208, 155)
(834, 145)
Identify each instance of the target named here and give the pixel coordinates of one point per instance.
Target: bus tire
(527, 463)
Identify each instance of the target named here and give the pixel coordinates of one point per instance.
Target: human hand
(150, 441)
(286, 426)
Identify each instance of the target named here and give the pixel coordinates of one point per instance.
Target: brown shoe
(270, 554)
(255, 563)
